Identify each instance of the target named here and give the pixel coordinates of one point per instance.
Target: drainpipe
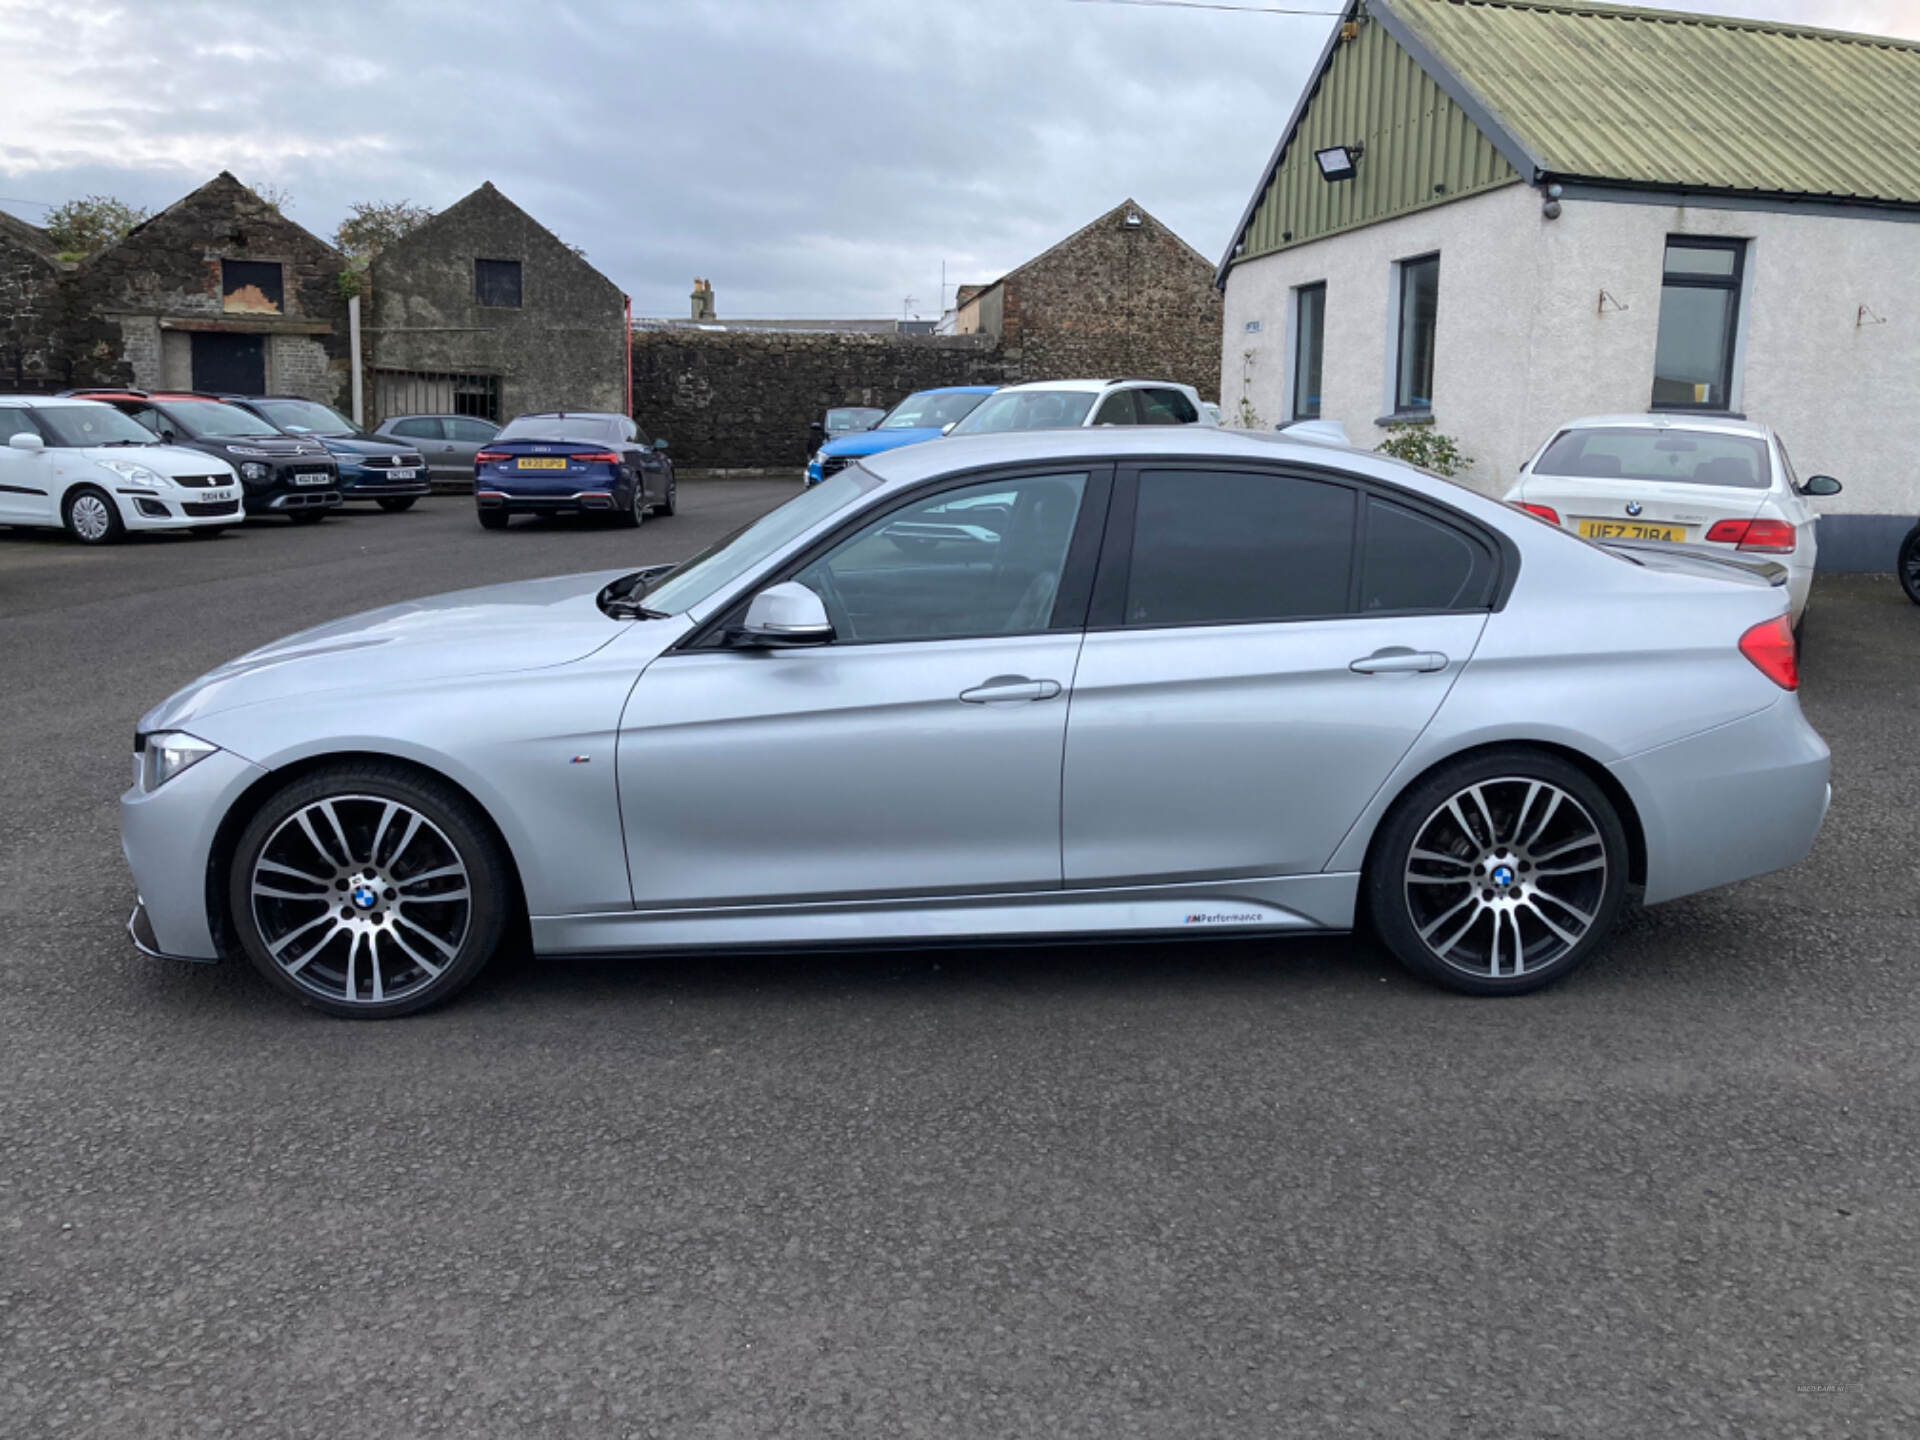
(353, 352)
(626, 345)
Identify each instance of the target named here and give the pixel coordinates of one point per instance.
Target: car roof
(439, 415)
(37, 402)
(944, 390)
(1677, 420)
(564, 415)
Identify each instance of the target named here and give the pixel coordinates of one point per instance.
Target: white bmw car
(1717, 485)
(82, 466)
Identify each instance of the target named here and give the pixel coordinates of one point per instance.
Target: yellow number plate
(1621, 530)
(527, 463)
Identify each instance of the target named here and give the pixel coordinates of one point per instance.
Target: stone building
(1122, 296)
(219, 291)
(29, 308)
(484, 311)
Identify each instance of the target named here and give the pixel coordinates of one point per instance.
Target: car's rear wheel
(1498, 874)
(91, 516)
(1909, 565)
(672, 503)
(634, 512)
(369, 890)
(493, 519)
(398, 502)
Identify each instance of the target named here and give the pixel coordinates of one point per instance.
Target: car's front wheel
(1909, 565)
(91, 516)
(1498, 874)
(369, 890)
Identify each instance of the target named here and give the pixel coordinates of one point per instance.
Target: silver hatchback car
(1096, 682)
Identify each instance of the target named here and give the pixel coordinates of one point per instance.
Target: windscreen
(92, 424)
(1028, 410)
(930, 410)
(306, 417)
(1693, 457)
(560, 427)
(209, 419)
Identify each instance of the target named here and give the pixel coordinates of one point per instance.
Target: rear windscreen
(1697, 457)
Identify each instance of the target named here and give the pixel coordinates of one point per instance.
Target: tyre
(397, 503)
(306, 517)
(369, 890)
(493, 519)
(91, 516)
(1908, 567)
(1498, 874)
(672, 503)
(634, 512)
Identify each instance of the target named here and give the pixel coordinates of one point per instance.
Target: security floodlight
(1337, 162)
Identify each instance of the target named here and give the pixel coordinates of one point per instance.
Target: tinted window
(984, 560)
(1166, 407)
(1213, 546)
(497, 282)
(420, 429)
(1120, 408)
(563, 427)
(476, 431)
(1697, 457)
(1411, 562)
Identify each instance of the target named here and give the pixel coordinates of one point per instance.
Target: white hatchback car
(1071, 404)
(83, 466)
(1714, 485)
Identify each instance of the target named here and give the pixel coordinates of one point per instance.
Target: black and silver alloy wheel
(1499, 878)
(672, 502)
(635, 511)
(368, 891)
(1908, 567)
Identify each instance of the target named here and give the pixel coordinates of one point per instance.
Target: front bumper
(167, 836)
(1739, 800)
(176, 510)
(357, 483)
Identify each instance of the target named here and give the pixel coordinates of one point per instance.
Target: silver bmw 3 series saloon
(1141, 682)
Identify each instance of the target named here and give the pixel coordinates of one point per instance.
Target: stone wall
(166, 275)
(29, 315)
(742, 398)
(1115, 300)
(559, 349)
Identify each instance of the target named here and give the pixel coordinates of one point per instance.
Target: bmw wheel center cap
(1502, 876)
(365, 897)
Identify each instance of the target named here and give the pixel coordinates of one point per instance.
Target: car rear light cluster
(595, 457)
(1541, 512)
(490, 457)
(1769, 645)
(1772, 537)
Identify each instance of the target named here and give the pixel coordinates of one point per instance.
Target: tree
(83, 226)
(278, 197)
(373, 224)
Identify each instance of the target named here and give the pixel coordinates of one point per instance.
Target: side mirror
(785, 614)
(1820, 485)
(26, 440)
(661, 443)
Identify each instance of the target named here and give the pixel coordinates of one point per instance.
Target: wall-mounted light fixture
(1337, 162)
(1551, 207)
(1133, 221)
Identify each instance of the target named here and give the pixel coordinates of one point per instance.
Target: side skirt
(1287, 904)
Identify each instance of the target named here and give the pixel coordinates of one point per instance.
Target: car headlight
(165, 753)
(254, 470)
(133, 472)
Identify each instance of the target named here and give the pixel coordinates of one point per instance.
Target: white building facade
(1546, 294)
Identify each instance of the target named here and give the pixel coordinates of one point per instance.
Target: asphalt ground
(1212, 1189)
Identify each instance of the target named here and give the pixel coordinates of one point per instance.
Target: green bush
(1426, 447)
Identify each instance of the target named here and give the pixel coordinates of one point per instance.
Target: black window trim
(1735, 284)
(1076, 576)
(1400, 412)
(1300, 293)
(1107, 611)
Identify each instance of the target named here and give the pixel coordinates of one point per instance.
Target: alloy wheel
(91, 519)
(360, 899)
(1506, 877)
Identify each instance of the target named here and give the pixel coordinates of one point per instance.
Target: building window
(497, 282)
(1699, 323)
(252, 287)
(1309, 342)
(1419, 305)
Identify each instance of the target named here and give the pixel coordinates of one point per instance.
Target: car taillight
(1769, 645)
(595, 457)
(490, 457)
(1541, 512)
(1774, 537)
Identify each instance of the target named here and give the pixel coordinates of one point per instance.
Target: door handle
(1010, 687)
(1399, 660)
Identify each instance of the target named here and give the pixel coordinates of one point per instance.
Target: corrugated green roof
(1659, 98)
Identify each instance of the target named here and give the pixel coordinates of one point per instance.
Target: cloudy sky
(810, 157)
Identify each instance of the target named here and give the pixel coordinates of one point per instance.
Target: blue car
(372, 467)
(573, 462)
(923, 415)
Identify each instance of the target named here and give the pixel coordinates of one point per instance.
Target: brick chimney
(702, 300)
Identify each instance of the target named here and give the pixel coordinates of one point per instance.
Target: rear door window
(1166, 407)
(1412, 561)
(421, 428)
(1119, 408)
(1214, 547)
